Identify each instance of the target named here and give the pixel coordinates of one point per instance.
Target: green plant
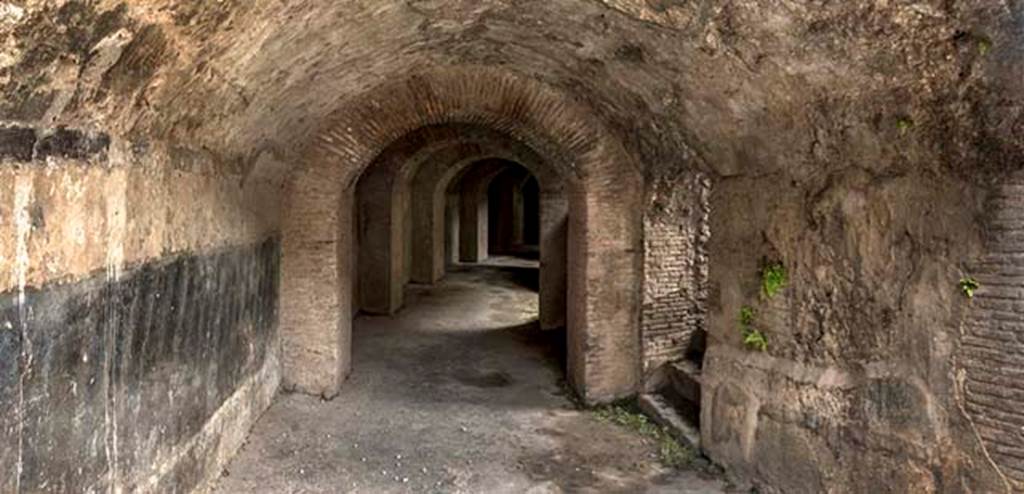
(969, 285)
(746, 316)
(773, 278)
(903, 124)
(670, 451)
(752, 337)
(984, 45)
(755, 340)
(673, 453)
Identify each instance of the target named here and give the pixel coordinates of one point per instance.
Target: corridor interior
(459, 389)
(430, 245)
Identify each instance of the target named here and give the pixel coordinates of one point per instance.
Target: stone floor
(457, 393)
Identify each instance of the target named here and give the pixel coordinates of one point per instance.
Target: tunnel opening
(399, 127)
(514, 210)
(442, 211)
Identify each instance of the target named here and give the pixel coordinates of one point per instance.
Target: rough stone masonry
(177, 214)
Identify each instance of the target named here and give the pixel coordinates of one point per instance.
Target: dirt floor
(460, 392)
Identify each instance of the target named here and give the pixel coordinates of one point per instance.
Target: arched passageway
(402, 218)
(471, 177)
(602, 187)
(408, 216)
(457, 392)
(506, 209)
(804, 222)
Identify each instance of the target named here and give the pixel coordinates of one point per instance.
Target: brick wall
(675, 267)
(993, 335)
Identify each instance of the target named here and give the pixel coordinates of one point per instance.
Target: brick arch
(604, 228)
(390, 228)
(473, 205)
(429, 189)
(383, 195)
(553, 224)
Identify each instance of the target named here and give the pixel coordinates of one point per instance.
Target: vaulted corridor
(790, 233)
(459, 392)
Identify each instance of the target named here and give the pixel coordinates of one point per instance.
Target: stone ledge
(662, 412)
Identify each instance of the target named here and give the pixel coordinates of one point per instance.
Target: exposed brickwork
(993, 335)
(676, 232)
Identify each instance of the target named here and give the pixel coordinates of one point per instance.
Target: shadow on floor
(460, 392)
(527, 277)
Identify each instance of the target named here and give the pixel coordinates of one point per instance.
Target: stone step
(661, 410)
(684, 381)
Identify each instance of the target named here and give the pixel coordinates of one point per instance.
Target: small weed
(746, 316)
(752, 337)
(755, 340)
(670, 451)
(626, 417)
(773, 278)
(984, 45)
(904, 124)
(969, 285)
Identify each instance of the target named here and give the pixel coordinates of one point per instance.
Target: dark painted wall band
(26, 144)
(143, 362)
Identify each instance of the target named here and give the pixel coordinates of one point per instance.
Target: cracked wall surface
(862, 144)
(130, 326)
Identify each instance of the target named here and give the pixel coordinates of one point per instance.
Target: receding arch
(431, 182)
(430, 186)
(415, 170)
(473, 218)
(602, 319)
(505, 203)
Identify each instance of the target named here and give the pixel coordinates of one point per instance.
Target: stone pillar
(506, 213)
(316, 286)
(519, 214)
(451, 221)
(473, 227)
(603, 309)
(473, 210)
(554, 217)
(379, 267)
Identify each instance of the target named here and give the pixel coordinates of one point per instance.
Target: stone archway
(401, 201)
(605, 198)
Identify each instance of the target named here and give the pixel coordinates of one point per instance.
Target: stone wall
(856, 391)
(138, 312)
(676, 233)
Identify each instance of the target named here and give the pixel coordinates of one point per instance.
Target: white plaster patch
(10, 13)
(116, 223)
(23, 191)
